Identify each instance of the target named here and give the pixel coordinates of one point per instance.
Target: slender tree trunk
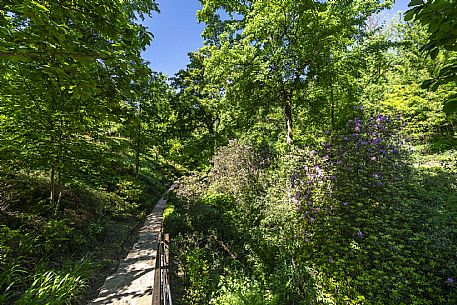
(53, 161)
(216, 125)
(60, 146)
(138, 146)
(53, 177)
(289, 133)
(332, 100)
(59, 196)
(59, 157)
(287, 100)
(288, 117)
(137, 159)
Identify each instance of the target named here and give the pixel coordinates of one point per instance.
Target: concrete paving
(133, 280)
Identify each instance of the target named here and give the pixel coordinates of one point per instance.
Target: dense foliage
(353, 224)
(81, 125)
(439, 16)
(290, 213)
(322, 142)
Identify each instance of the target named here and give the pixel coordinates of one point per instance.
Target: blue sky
(176, 33)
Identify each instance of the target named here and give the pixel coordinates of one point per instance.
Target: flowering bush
(339, 192)
(312, 182)
(236, 168)
(358, 231)
(368, 156)
(357, 163)
(370, 233)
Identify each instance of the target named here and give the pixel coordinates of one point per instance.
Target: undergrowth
(55, 257)
(360, 218)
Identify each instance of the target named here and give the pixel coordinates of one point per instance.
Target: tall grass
(11, 270)
(58, 287)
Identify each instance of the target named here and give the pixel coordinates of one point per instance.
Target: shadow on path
(133, 280)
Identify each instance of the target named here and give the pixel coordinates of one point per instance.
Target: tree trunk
(332, 107)
(288, 118)
(60, 148)
(52, 127)
(59, 196)
(138, 146)
(53, 178)
(287, 100)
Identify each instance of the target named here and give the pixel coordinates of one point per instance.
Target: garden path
(133, 280)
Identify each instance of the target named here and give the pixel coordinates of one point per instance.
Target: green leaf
(435, 86)
(409, 15)
(434, 53)
(427, 46)
(415, 2)
(427, 83)
(40, 6)
(450, 106)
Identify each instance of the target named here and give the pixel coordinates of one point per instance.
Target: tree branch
(46, 53)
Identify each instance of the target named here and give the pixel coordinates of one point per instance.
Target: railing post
(156, 289)
(166, 281)
(161, 293)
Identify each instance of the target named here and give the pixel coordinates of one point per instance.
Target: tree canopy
(265, 55)
(440, 18)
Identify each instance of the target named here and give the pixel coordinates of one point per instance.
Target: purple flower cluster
(357, 124)
(369, 146)
(360, 107)
(349, 166)
(312, 183)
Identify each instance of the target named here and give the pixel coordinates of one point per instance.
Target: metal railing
(161, 294)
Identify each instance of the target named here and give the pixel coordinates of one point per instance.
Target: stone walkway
(133, 280)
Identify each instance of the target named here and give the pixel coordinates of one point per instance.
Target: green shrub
(56, 236)
(130, 190)
(238, 290)
(371, 229)
(201, 263)
(237, 168)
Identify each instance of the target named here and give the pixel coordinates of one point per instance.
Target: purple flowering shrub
(312, 184)
(368, 158)
(368, 220)
(341, 190)
(355, 225)
(359, 164)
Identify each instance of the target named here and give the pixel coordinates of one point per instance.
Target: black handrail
(161, 293)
